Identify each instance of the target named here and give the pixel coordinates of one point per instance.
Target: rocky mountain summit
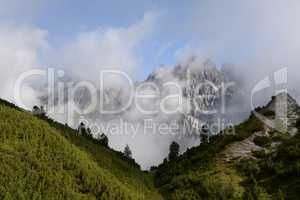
(279, 119)
(205, 92)
(201, 84)
(285, 108)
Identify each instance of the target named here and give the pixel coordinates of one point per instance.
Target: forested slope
(257, 162)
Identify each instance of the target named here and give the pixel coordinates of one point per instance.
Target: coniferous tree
(204, 135)
(165, 161)
(104, 140)
(127, 152)
(35, 110)
(42, 112)
(174, 151)
(81, 129)
(39, 111)
(204, 138)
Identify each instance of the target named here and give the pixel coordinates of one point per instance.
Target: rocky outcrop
(282, 109)
(285, 109)
(242, 148)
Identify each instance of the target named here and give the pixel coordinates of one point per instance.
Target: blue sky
(64, 20)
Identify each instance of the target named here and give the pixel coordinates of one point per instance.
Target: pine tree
(204, 138)
(204, 134)
(82, 129)
(42, 112)
(174, 151)
(104, 140)
(127, 152)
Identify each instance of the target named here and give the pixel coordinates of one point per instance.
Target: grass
(40, 161)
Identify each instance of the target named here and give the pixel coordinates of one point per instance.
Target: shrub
(174, 151)
(281, 137)
(268, 113)
(262, 141)
(260, 154)
(247, 166)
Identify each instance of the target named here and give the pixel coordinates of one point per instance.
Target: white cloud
(112, 48)
(260, 37)
(19, 52)
(246, 31)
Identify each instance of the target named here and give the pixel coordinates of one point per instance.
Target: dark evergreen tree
(165, 161)
(174, 151)
(81, 129)
(204, 138)
(35, 110)
(127, 152)
(204, 135)
(42, 112)
(104, 140)
(39, 111)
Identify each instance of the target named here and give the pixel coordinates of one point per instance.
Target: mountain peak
(282, 99)
(282, 96)
(284, 108)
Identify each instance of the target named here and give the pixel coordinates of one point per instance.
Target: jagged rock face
(281, 114)
(285, 108)
(201, 85)
(204, 90)
(205, 82)
(242, 149)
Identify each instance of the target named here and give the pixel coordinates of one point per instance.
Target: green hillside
(210, 171)
(45, 160)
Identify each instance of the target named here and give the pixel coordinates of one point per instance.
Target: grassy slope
(201, 173)
(47, 160)
(38, 162)
(127, 171)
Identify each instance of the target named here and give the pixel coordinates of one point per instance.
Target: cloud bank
(19, 52)
(111, 48)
